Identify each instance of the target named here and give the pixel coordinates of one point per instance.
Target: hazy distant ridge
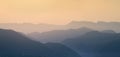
(29, 28)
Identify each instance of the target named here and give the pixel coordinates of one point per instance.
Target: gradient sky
(58, 11)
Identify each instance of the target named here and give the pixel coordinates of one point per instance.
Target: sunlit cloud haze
(58, 11)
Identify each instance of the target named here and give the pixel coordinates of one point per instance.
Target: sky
(58, 11)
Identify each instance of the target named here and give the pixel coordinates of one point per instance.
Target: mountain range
(76, 39)
(96, 44)
(15, 44)
(87, 42)
(100, 25)
(58, 35)
(30, 28)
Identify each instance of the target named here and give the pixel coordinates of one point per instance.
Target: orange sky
(58, 11)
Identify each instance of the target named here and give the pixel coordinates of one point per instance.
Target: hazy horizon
(61, 24)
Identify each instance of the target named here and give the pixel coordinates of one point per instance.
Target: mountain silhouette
(100, 25)
(112, 48)
(15, 44)
(96, 44)
(58, 35)
(30, 28)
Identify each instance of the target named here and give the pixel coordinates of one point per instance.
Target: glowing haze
(58, 11)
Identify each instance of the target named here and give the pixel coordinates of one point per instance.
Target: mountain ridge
(14, 44)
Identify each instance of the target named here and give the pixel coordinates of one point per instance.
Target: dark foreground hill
(14, 44)
(96, 44)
